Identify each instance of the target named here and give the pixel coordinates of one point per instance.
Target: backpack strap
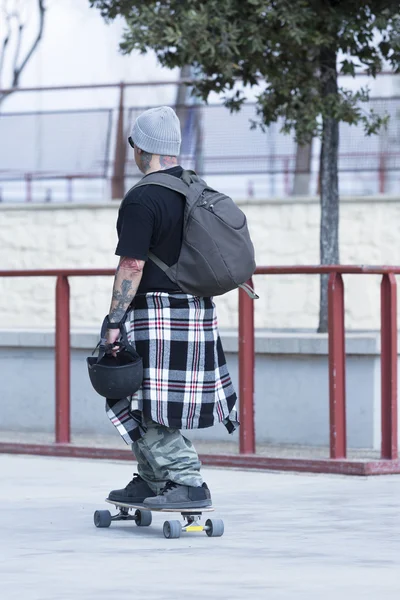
(162, 265)
(166, 180)
(249, 291)
(180, 185)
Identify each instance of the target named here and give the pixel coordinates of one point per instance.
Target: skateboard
(171, 529)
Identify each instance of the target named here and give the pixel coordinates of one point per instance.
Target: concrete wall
(291, 396)
(284, 232)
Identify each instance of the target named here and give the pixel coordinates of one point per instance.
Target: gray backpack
(217, 254)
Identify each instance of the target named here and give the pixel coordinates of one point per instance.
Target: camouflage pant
(165, 454)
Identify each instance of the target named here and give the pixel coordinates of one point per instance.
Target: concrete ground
(287, 537)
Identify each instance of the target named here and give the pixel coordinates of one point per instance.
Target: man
(186, 382)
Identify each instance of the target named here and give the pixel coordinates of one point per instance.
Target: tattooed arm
(127, 279)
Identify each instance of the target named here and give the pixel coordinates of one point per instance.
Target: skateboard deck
(186, 510)
(171, 529)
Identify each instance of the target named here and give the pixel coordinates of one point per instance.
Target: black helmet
(119, 376)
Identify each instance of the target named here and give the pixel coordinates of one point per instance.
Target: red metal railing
(247, 444)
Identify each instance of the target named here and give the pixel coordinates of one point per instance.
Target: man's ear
(139, 150)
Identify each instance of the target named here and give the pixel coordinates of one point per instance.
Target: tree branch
(7, 18)
(19, 40)
(18, 70)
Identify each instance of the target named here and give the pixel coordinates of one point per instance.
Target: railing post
(69, 188)
(63, 362)
(389, 367)
(382, 173)
(118, 176)
(286, 176)
(246, 374)
(28, 182)
(337, 367)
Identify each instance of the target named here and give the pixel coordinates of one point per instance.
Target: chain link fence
(82, 154)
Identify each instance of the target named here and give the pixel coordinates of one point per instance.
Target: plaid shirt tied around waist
(186, 382)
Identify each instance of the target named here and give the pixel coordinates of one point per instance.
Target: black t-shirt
(151, 218)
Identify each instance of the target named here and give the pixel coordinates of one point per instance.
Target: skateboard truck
(212, 527)
(141, 518)
(193, 522)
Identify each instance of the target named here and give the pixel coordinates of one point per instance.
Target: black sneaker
(180, 496)
(134, 493)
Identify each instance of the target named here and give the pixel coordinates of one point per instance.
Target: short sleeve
(137, 224)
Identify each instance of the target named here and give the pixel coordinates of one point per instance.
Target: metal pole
(287, 177)
(28, 180)
(94, 86)
(337, 367)
(69, 188)
(247, 443)
(118, 176)
(389, 367)
(382, 173)
(63, 362)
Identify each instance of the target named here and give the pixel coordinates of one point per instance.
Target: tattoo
(127, 279)
(168, 161)
(130, 264)
(121, 299)
(145, 160)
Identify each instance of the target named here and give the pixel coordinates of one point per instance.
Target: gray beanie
(158, 131)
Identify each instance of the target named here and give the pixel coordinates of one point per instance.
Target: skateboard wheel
(172, 529)
(143, 518)
(215, 527)
(102, 518)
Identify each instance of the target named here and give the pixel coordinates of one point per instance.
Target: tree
(13, 22)
(295, 50)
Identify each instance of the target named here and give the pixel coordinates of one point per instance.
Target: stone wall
(285, 232)
(291, 388)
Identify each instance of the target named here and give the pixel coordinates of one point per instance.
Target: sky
(78, 47)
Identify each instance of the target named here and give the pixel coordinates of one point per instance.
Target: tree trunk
(329, 232)
(189, 114)
(199, 155)
(301, 184)
(182, 96)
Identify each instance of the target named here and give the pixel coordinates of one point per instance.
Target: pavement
(287, 537)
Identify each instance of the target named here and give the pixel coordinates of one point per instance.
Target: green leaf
(283, 44)
(348, 68)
